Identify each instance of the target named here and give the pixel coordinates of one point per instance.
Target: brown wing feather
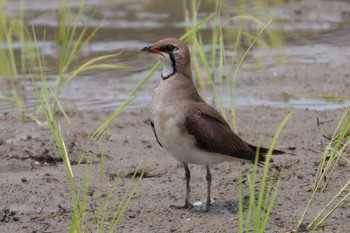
(213, 134)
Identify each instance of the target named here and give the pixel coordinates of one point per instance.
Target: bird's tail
(263, 150)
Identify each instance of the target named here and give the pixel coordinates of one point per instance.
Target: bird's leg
(208, 177)
(188, 177)
(187, 199)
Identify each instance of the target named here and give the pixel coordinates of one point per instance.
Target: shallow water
(129, 25)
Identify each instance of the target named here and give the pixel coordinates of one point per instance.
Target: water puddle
(129, 25)
(110, 95)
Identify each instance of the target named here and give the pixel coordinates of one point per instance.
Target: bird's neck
(177, 88)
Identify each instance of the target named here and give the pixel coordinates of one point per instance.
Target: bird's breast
(168, 113)
(167, 123)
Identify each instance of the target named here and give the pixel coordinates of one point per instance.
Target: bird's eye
(169, 48)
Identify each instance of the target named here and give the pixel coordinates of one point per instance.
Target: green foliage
(11, 68)
(43, 96)
(79, 191)
(218, 66)
(72, 39)
(106, 219)
(334, 152)
(260, 203)
(238, 33)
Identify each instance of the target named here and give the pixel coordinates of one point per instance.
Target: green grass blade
(193, 30)
(126, 203)
(102, 129)
(313, 222)
(332, 210)
(333, 155)
(240, 205)
(259, 211)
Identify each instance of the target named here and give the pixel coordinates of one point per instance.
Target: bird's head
(173, 54)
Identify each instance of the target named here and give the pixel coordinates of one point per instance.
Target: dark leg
(188, 177)
(209, 186)
(187, 199)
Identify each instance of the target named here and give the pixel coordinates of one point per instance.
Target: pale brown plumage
(184, 124)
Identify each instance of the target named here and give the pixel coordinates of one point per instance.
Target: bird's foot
(187, 206)
(207, 207)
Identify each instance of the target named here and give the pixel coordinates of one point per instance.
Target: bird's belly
(192, 154)
(176, 141)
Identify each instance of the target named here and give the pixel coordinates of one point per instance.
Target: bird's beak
(151, 50)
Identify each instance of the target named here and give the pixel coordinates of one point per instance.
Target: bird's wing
(213, 134)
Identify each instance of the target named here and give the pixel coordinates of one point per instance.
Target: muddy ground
(34, 191)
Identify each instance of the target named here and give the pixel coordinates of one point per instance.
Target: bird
(185, 125)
